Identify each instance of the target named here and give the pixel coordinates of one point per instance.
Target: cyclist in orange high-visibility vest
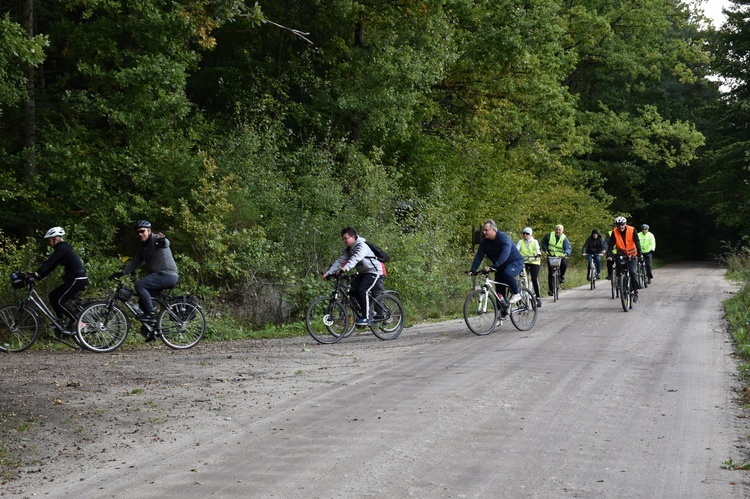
(624, 241)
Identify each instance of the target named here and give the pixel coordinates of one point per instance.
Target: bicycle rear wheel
(387, 317)
(19, 328)
(523, 312)
(181, 324)
(625, 291)
(480, 312)
(327, 320)
(102, 327)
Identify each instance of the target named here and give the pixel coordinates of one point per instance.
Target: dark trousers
(647, 260)
(62, 294)
(151, 286)
(360, 285)
(533, 271)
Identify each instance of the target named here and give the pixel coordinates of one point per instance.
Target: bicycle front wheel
(523, 312)
(387, 317)
(556, 288)
(625, 291)
(480, 312)
(181, 324)
(327, 320)
(102, 327)
(592, 277)
(19, 328)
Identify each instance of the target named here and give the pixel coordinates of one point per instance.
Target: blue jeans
(507, 275)
(152, 285)
(598, 262)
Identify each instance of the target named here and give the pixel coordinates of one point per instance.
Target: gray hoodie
(360, 257)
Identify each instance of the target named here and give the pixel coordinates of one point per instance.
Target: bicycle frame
(483, 305)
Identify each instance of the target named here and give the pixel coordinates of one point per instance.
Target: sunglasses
(141, 231)
(526, 234)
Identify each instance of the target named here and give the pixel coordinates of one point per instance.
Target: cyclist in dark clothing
(74, 277)
(594, 248)
(505, 257)
(160, 264)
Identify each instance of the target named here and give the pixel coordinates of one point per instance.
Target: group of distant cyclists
(507, 259)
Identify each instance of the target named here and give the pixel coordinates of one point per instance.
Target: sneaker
(562, 280)
(550, 293)
(538, 302)
(636, 298)
(609, 277)
(362, 322)
(515, 298)
(597, 276)
(648, 282)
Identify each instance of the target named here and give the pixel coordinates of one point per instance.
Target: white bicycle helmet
(621, 221)
(55, 232)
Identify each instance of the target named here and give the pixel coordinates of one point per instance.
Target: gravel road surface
(593, 402)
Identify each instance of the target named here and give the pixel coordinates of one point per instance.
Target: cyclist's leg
(647, 259)
(62, 294)
(633, 266)
(360, 285)
(150, 286)
(533, 271)
(589, 257)
(507, 275)
(598, 263)
(563, 268)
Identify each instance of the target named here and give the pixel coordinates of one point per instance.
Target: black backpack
(381, 255)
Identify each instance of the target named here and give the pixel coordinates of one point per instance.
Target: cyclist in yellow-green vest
(532, 259)
(648, 246)
(556, 243)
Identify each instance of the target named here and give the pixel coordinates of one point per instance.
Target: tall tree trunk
(29, 107)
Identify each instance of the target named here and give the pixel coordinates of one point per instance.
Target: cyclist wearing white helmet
(648, 245)
(625, 241)
(161, 267)
(74, 278)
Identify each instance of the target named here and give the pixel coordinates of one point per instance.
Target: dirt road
(593, 402)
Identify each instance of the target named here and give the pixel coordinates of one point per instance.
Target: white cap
(528, 230)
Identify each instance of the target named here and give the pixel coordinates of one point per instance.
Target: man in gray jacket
(160, 264)
(358, 255)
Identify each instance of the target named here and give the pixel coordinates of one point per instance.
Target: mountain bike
(554, 264)
(21, 324)
(104, 324)
(622, 276)
(483, 307)
(331, 318)
(593, 275)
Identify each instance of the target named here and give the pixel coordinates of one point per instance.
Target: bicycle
(21, 324)
(642, 274)
(622, 276)
(103, 324)
(593, 274)
(554, 263)
(331, 318)
(483, 305)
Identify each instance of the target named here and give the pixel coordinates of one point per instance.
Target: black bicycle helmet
(143, 223)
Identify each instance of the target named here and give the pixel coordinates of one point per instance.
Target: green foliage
(252, 136)
(18, 51)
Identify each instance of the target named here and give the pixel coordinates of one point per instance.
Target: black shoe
(609, 277)
(147, 318)
(562, 280)
(648, 282)
(597, 276)
(550, 293)
(588, 278)
(538, 302)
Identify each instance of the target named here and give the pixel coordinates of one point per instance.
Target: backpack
(380, 254)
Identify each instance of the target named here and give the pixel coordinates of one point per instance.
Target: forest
(251, 132)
